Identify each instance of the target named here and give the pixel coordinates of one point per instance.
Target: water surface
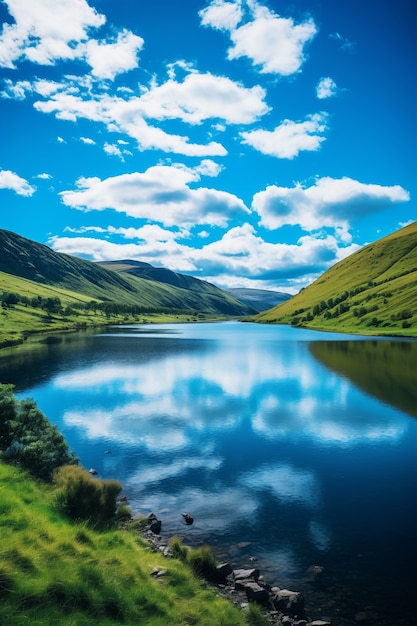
(288, 446)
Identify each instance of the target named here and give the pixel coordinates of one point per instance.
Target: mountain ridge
(37, 262)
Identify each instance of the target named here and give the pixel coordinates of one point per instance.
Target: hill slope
(36, 262)
(259, 299)
(373, 291)
(54, 571)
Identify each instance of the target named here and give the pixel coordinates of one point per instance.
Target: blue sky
(248, 143)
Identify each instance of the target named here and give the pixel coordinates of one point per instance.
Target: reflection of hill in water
(384, 369)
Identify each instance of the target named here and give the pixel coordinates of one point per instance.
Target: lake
(292, 449)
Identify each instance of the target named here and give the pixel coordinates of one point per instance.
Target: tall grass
(54, 571)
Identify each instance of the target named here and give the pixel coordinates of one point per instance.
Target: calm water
(288, 446)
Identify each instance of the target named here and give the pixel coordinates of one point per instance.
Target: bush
(179, 551)
(203, 562)
(28, 439)
(82, 497)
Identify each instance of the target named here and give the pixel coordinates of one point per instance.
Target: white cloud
(44, 176)
(329, 203)
(10, 180)
(114, 150)
(289, 138)
(239, 255)
(222, 15)
(326, 88)
(161, 194)
(273, 43)
(109, 59)
(196, 99)
(88, 140)
(200, 97)
(46, 30)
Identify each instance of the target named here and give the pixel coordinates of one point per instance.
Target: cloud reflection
(283, 393)
(288, 484)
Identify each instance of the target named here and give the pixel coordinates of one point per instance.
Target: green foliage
(28, 439)
(83, 497)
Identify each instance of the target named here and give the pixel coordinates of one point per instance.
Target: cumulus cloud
(273, 43)
(108, 59)
(240, 254)
(222, 15)
(48, 31)
(195, 99)
(329, 203)
(289, 138)
(10, 180)
(326, 88)
(204, 96)
(161, 194)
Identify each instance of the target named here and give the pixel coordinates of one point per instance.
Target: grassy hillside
(89, 294)
(27, 259)
(197, 294)
(373, 291)
(54, 571)
(259, 299)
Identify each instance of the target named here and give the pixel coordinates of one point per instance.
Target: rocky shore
(282, 607)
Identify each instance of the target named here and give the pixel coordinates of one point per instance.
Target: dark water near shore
(288, 446)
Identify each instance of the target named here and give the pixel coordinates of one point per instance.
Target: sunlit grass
(372, 292)
(54, 571)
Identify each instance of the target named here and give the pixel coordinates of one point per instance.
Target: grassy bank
(55, 571)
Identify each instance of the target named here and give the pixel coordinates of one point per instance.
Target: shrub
(255, 615)
(28, 439)
(82, 497)
(179, 551)
(203, 562)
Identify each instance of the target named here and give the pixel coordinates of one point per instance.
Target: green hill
(259, 299)
(41, 289)
(373, 291)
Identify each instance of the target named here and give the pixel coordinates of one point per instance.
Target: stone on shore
(288, 602)
(256, 593)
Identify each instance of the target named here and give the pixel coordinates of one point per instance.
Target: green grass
(372, 292)
(18, 322)
(53, 571)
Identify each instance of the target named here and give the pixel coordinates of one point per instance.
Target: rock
(188, 519)
(158, 572)
(289, 602)
(93, 472)
(155, 526)
(320, 622)
(256, 593)
(224, 570)
(243, 574)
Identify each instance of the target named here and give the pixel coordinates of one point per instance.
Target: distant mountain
(28, 259)
(158, 274)
(373, 291)
(259, 299)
